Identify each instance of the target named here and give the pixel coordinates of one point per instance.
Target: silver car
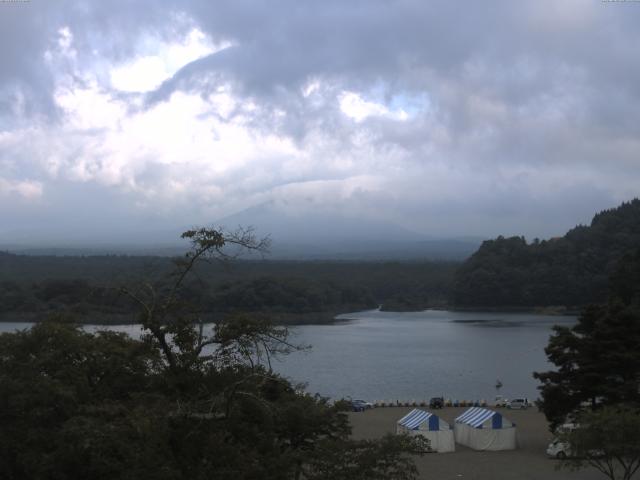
(558, 449)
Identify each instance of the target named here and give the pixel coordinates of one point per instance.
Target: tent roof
(414, 418)
(476, 416)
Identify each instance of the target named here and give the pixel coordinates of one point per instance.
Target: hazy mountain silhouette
(325, 236)
(310, 236)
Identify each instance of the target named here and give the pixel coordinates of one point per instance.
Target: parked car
(360, 405)
(518, 403)
(561, 450)
(558, 449)
(501, 401)
(436, 402)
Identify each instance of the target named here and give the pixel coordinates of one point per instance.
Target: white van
(518, 403)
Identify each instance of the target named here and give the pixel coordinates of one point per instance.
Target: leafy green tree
(64, 392)
(366, 459)
(607, 439)
(180, 403)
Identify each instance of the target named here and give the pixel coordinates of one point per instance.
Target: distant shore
(110, 319)
(548, 310)
(278, 318)
(559, 310)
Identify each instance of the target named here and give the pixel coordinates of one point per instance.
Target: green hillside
(572, 270)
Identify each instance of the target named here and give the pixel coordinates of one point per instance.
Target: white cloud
(65, 40)
(310, 88)
(354, 106)
(27, 189)
(403, 111)
(89, 107)
(161, 61)
(188, 146)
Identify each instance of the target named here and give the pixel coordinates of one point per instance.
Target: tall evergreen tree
(598, 359)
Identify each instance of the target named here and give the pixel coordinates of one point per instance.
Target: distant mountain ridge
(572, 270)
(294, 235)
(317, 228)
(324, 236)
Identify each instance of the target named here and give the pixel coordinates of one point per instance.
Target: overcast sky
(448, 118)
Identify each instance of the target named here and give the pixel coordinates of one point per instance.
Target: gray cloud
(482, 118)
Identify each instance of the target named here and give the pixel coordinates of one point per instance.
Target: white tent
(483, 429)
(430, 426)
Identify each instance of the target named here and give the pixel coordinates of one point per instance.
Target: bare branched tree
(178, 332)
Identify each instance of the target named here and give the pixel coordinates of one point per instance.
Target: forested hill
(570, 271)
(31, 287)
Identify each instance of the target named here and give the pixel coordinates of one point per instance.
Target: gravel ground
(528, 462)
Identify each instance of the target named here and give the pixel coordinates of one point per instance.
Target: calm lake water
(387, 356)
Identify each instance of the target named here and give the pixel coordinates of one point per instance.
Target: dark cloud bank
(443, 118)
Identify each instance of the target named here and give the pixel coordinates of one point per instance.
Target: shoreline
(554, 310)
(126, 319)
(551, 311)
(279, 318)
(557, 310)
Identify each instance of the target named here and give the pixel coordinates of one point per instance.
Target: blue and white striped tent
(430, 426)
(483, 429)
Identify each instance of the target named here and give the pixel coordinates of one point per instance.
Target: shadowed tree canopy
(597, 360)
(180, 403)
(570, 271)
(607, 439)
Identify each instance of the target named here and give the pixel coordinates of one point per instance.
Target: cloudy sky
(448, 118)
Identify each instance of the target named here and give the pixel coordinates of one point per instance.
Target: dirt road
(528, 462)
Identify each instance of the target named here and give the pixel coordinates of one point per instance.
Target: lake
(405, 356)
(388, 356)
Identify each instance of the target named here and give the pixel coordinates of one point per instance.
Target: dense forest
(184, 401)
(570, 271)
(290, 292)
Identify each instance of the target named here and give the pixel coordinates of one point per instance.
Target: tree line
(294, 292)
(571, 271)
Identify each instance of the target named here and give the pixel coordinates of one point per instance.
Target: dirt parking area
(528, 462)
